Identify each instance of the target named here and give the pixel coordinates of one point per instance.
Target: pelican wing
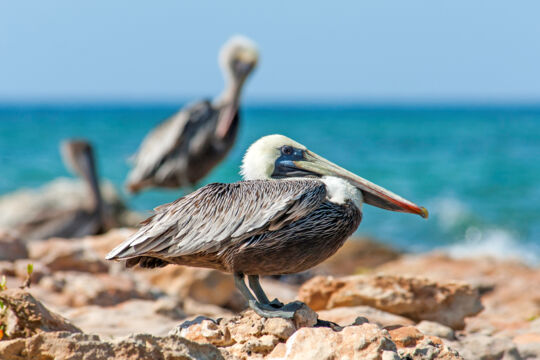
(168, 136)
(217, 214)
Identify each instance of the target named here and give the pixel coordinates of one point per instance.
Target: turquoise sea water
(476, 169)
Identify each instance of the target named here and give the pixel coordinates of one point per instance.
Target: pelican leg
(265, 310)
(255, 285)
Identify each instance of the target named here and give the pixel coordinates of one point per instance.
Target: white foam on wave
(495, 243)
(449, 212)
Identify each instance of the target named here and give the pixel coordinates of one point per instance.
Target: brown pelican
(293, 210)
(183, 149)
(76, 222)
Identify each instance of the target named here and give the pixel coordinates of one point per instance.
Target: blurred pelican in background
(79, 221)
(64, 208)
(186, 147)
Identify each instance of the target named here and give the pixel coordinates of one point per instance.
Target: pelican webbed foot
(260, 303)
(286, 311)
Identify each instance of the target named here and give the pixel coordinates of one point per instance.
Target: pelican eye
(287, 150)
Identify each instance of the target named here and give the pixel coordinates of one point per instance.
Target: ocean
(476, 169)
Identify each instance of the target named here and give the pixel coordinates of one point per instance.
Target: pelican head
(238, 57)
(78, 157)
(278, 157)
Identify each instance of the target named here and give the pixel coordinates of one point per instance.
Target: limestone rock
(435, 329)
(355, 256)
(63, 345)
(203, 285)
(347, 315)
(11, 248)
(415, 298)
(246, 334)
(483, 347)
(412, 344)
(366, 341)
(129, 317)
(64, 255)
(80, 288)
(24, 316)
(510, 294)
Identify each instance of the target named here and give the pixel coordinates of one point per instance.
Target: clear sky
(459, 50)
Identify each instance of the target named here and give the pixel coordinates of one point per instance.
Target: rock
(348, 315)
(104, 243)
(509, 293)
(246, 333)
(203, 285)
(129, 317)
(412, 344)
(355, 256)
(483, 347)
(7, 268)
(67, 255)
(415, 298)
(205, 331)
(79, 289)
(366, 341)
(24, 316)
(62, 345)
(169, 307)
(192, 307)
(528, 345)
(436, 329)
(11, 248)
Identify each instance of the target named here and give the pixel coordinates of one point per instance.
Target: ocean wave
(495, 243)
(449, 212)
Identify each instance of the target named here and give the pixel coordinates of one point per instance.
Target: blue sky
(473, 51)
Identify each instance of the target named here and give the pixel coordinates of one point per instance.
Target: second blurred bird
(184, 148)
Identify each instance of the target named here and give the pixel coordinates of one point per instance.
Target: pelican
(293, 210)
(80, 221)
(184, 148)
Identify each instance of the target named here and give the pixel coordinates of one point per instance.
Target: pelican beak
(373, 194)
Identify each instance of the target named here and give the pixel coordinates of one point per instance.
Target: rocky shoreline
(384, 305)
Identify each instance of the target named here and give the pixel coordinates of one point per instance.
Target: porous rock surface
(413, 297)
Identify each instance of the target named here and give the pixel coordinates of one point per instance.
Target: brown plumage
(186, 147)
(287, 219)
(293, 211)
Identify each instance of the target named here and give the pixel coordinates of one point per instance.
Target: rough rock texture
(412, 344)
(509, 292)
(247, 336)
(416, 298)
(64, 345)
(23, 316)
(71, 278)
(365, 341)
